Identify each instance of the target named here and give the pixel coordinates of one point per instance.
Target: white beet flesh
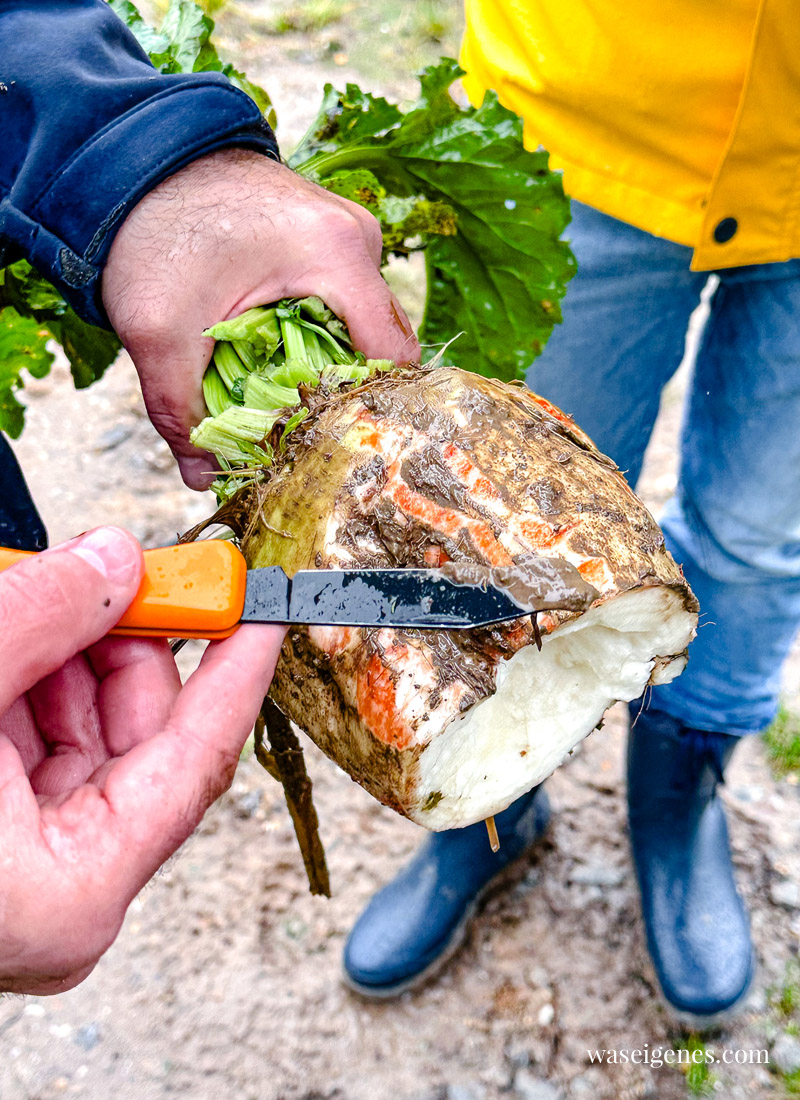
(546, 702)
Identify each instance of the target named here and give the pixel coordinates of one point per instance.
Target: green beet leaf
(459, 182)
(34, 313)
(149, 39)
(183, 45)
(23, 346)
(187, 28)
(89, 349)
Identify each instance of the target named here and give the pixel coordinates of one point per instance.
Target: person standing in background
(677, 134)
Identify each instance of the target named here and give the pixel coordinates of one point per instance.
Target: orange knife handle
(192, 590)
(11, 557)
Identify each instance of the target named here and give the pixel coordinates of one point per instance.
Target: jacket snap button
(725, 230)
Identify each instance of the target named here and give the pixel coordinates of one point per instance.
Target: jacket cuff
(68, 230)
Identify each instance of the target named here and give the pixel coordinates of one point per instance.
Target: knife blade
(424, 599)
(204, 590)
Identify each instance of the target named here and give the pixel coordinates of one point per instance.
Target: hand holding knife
(205, 590)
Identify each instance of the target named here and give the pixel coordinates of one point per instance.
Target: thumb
(55, 604)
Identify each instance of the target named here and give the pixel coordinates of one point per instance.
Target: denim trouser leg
(734, 523)
(625, 319)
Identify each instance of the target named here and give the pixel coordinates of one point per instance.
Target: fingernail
(110, 551)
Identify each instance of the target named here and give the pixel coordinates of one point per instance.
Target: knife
(205, 590)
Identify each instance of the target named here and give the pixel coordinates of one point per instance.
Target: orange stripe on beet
(475, 482)
(447, 521)
(377, 705)
(554, 411)
(595, 571)
(369, 434)
(517, 634)
(434, 556)
(543, 535)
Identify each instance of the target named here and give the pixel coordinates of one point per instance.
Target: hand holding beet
(106, 763)
(230, 231)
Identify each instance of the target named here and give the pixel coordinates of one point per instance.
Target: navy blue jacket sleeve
(87, 127)
(21, 526)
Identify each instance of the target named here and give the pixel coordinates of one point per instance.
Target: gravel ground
(225, 980)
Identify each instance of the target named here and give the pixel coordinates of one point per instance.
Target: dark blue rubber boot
(412, 926)
(698, 931)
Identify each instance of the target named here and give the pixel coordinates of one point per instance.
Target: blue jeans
(734, 522)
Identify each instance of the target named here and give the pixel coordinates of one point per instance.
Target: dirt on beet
(225, 980)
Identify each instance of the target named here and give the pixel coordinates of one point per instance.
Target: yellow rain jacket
(681, 117)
